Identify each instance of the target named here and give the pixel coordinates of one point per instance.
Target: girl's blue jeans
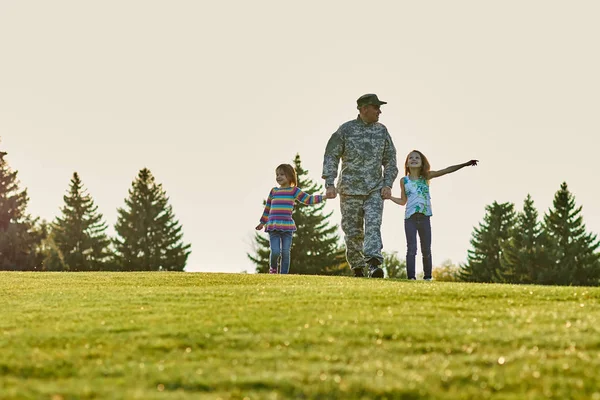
(418, 224)
(281, 244)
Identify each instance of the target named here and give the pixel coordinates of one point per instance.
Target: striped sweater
(277, 215)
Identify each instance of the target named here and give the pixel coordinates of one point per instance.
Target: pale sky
(212, 95)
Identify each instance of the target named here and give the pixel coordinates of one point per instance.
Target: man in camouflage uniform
(364, 146)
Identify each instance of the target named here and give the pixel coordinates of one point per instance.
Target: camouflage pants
(361, 223)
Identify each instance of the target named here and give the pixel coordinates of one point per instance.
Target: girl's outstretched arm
(453, 168)
(308, 199)
(402, 199)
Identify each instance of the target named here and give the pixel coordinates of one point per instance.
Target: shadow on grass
(298, 390)
(54, 370)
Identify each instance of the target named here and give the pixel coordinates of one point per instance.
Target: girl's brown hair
(425, 166)
(290, 173)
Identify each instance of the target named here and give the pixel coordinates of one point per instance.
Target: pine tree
(483, 261)
(20, 236)
(523, 253)
(79, 235)
(573, 252)
(149, 237)
(315, 245)
(53, 257)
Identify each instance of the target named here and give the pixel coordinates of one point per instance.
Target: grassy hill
(235, 336)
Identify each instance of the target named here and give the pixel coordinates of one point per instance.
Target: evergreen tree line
(148, 237)
(518, 247)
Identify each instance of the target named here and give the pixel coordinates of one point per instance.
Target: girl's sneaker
(272, 270)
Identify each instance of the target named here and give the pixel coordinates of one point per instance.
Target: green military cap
(370, 98)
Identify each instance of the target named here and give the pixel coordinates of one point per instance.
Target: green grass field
(236, 336)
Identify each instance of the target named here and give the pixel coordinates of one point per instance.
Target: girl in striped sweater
(277, 216)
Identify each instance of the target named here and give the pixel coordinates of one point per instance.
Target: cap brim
(377, 103)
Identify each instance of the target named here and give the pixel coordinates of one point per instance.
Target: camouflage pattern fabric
(368, 159)
(363, 149)
(361, 223)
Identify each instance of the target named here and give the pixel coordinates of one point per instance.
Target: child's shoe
(272, 270)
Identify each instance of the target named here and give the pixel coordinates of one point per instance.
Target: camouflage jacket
(364, 149)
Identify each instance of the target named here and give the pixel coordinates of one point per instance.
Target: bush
(447, 272)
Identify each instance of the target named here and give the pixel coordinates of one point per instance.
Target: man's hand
(259, 227)
(330, 192)
(386, 193)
